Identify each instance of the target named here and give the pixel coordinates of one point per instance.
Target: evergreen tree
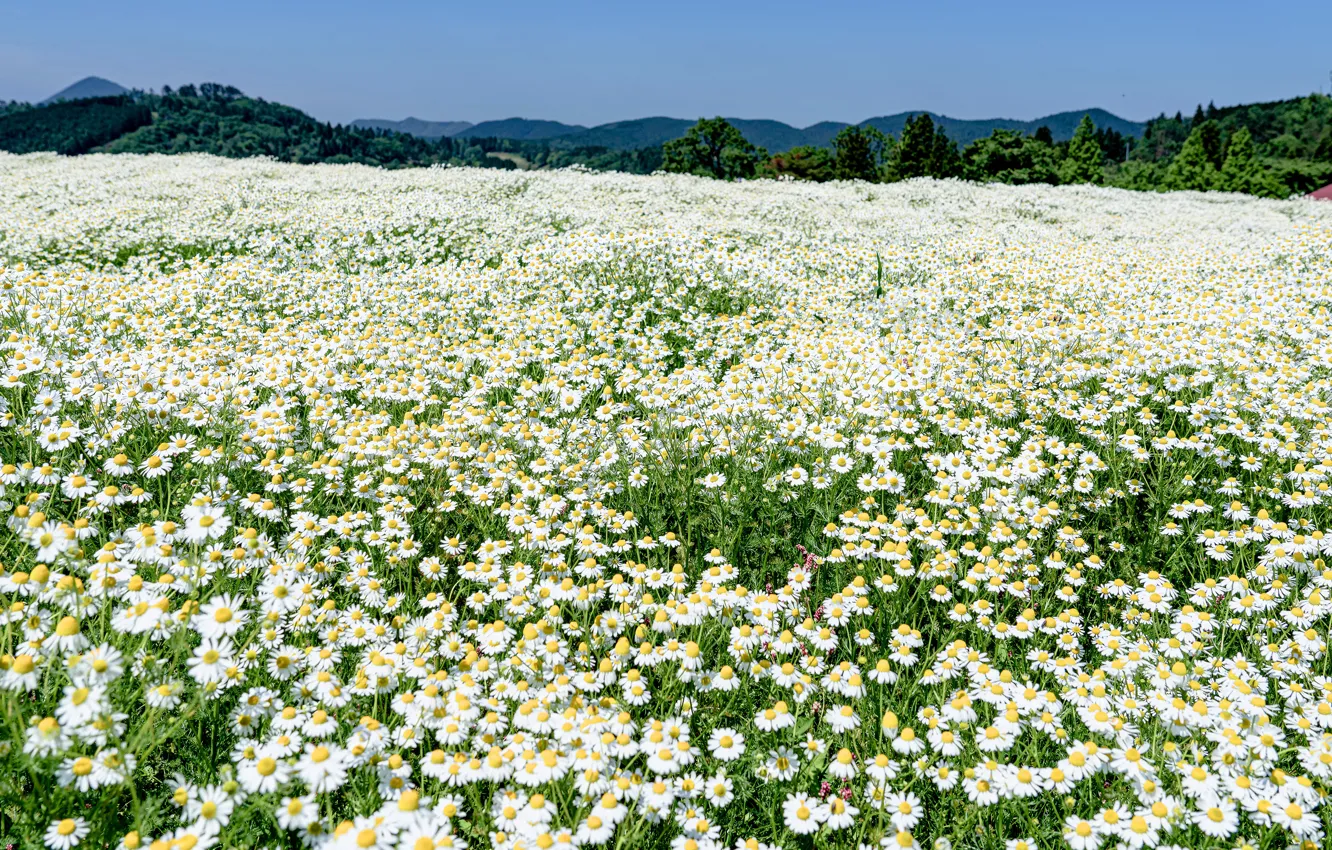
(945, 161)
(1191, 168)
(1043, 135)
(1209, 133)
(713, 147)
(1083, 162)
(1242, 172)
(915, 154)
(859, 153)
(853, 156)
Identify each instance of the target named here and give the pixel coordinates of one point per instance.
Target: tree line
(1288, 149)
(1270, 149)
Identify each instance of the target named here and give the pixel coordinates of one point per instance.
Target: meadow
(452, 508)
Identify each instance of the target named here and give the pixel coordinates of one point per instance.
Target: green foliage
(1083, 162)
(1291, 138)
(1242, 172)
(1140, 176)
(1192, 168)
(1300, 176)
(803, 163)
(1209, 136)
(1287, 149)
(71, 127)
(1113, 144)
(1009, 157)
(925, 151)
(712, 148)
(221, 120)
(860, 153)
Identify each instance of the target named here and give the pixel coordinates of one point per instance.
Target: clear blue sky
(591, 62)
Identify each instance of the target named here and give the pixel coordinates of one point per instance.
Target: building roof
(1323, 194)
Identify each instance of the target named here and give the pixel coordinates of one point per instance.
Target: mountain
(650, 132)
(87, 87)
(415, 126)
(521, 128)
(628, 135)
(775, 136)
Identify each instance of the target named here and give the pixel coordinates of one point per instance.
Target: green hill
(1293, 137)
(71, 126)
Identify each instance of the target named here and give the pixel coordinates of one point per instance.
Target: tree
(925, 151)
(712, 148)
(1191, 168)
(945, 161)
(1006, 156)
(1083, 162)
(859, 152)
(1113, 145)
(803, 163)
(1242, 172)
(915, 153)
(1044, 135)
(1209, 133)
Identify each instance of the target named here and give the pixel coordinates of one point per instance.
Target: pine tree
(1242, 171)
(945, 161)
(1191, 169)
(1209, 132)
(1083, 163)
(859, 152)
(915, 155)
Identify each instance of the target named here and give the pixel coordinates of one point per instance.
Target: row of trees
(1272, 149)
(715, 148)
(1207, 158)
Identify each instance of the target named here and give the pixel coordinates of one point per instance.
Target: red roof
(1323, 194)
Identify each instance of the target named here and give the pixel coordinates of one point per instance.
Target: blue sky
(592, 62)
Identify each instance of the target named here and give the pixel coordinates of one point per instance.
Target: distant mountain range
(650, 132)
(773, 135)
(87, 87)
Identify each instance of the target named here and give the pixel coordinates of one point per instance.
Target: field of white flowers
(457, 508)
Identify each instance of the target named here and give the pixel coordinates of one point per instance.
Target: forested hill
(222, 120)
(1273, 149)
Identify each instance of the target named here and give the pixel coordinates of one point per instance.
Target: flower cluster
(450, 508)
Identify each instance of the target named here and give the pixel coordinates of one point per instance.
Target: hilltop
(87, 87)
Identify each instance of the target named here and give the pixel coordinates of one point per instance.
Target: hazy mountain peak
(88, 87)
